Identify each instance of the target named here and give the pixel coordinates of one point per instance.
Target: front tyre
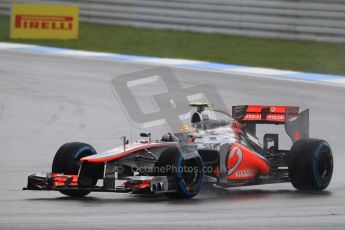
(188, 173)
(310, 165)
(67, 161)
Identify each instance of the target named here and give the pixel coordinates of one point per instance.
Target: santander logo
(235, 159)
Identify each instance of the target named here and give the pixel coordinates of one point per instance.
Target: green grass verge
(282, 54)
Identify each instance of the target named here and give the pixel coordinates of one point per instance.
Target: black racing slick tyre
(67, 161)
(310, 165)
(187, 173)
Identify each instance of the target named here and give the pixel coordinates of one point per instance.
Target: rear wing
(296, 124)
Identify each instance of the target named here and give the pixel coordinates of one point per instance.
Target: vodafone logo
(245, 173)
(235, 159)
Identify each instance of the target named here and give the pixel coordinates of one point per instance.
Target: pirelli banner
(34, 21)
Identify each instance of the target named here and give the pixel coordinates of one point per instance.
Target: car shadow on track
(253, 193)
(207, 194)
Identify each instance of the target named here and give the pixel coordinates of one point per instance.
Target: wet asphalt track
(46, 101)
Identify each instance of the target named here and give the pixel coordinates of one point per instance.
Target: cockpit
(207, 119)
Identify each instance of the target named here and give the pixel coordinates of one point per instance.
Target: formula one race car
(216, 146)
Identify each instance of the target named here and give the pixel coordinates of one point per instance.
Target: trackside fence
(318, 20)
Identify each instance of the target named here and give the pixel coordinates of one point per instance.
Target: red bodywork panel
(137, 186)
(243, 163)
(264, 114)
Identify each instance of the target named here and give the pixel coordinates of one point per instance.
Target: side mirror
(125, 142)
(269, 138)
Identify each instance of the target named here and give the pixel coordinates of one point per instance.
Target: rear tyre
(67, 161)
(188, 173)
(310, 165)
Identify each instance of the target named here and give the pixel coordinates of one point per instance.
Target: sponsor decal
(210, 146)
(236, 153)
(252, 117)
(277, 109)
(36, 21)
(297, 135)
(275, 117)
(269, 117)
(245, 173)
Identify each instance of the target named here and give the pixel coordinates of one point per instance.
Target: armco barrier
(318, 20)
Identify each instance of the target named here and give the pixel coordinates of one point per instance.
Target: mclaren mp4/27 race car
(215, 147)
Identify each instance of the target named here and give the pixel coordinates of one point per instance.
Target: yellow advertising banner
(35, 21)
